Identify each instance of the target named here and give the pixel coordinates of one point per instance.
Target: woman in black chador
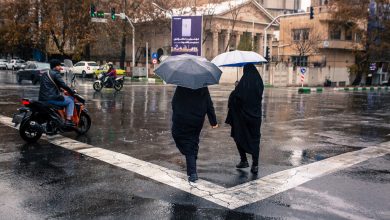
(189, 110)
(244, 116)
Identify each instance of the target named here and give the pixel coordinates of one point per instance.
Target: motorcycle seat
(56, 107)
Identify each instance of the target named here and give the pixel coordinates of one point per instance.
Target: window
(299, 60)
(296, 35)
(93, 64)
(43, 66)
(324, 2)
(348, 33)
(358, 37)
(30, 66)
(300, 34)
(335, 34)
(305, 34)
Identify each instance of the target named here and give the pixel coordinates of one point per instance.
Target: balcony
(341, 44)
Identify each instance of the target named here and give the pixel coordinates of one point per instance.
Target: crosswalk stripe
(233, 197)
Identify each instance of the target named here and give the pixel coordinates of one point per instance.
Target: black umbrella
(189, 71)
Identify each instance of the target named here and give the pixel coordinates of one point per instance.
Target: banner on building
(187, 35)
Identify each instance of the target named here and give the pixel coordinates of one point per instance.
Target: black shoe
(69, 123)
(242, 164)
(193, 177)
(254, 169)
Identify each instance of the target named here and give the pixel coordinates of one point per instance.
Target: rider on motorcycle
(49, 91)
(111, 74)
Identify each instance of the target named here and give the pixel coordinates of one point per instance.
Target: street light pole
(273, 21)
(123, 16)
(161, 8)
(265, 33)
(133, 40)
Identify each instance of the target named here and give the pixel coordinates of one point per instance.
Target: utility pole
(123, 16)
(123, 43)
(147, 60)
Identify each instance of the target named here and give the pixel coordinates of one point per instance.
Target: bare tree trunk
(88, 51)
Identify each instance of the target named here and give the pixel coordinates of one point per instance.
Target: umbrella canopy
(238, 58)
(189, 71)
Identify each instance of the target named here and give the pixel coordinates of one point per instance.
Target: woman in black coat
(189, 110)
(244, 116)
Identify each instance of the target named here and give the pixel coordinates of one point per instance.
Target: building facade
(281, 6)
(326, 49)
(219, 34)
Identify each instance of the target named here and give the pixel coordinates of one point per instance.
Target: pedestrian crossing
(233, 197)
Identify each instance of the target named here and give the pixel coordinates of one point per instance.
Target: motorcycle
(36, 118)
(104, 82)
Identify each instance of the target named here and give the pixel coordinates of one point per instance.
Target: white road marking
(233, 197)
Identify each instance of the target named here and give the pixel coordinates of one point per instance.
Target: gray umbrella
(189, 71)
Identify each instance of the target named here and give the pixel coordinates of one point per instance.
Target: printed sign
(154, 55)
(373, 66)
(187, 35)
(154, 61)
(303, 70)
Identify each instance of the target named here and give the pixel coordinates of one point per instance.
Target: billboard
(187, 35)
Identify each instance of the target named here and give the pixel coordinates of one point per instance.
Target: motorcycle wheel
(97, 86)
(84, 123)
(28, 133)
(118, 86)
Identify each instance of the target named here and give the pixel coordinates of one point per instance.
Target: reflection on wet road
(297, 129)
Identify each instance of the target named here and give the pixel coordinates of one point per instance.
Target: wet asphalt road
(46, 181)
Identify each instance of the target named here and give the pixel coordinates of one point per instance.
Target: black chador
(189, 110)
(244, 115)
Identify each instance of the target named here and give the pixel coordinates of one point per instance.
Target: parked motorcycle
(103, 81)
(36, 118)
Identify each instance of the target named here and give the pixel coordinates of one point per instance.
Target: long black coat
(189, 110)
(244, 114)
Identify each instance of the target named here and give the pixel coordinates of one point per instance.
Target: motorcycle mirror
(68, 63)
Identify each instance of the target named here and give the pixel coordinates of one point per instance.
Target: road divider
(307, 90)
(371, 88)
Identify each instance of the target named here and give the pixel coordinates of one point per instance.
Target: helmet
(54, 63)
(110, 65)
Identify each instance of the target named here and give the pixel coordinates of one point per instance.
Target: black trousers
(243, 157)
(191, 164)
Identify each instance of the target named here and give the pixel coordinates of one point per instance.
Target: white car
(3, 63)
(15, 64)
(85, 68)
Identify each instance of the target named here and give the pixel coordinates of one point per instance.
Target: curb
(144, 80)
(306, 90)
(372, 88)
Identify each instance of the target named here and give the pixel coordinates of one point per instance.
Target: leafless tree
(305, 41)
(234, 11)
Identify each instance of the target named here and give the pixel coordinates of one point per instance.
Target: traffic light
(113, 14)
(100, 14)
(267, 55)
(93, 11)
(311, 12)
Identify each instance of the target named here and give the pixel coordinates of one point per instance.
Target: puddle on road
(297, 129)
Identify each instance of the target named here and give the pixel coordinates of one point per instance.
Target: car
(33, 72)
(64, 69)
(15, 64)
(85, 68)
(3, 63)
(104, 68)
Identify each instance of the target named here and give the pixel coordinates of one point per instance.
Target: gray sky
(305, 4)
